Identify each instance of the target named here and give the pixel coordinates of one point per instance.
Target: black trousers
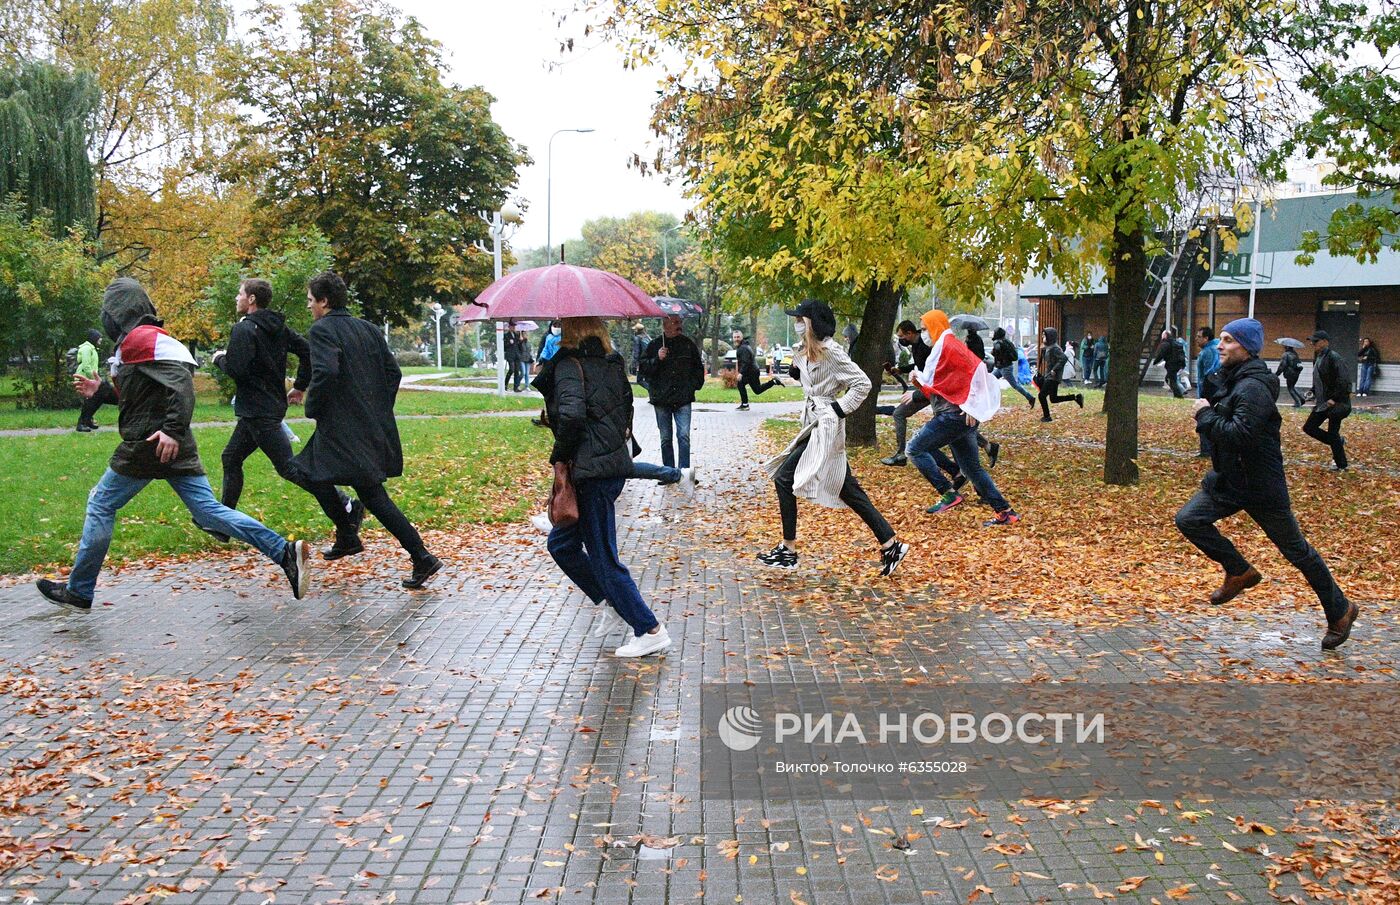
(105, 395)
(1298, 399)
(751, 380)
(1333, 435)
(266, 434)
(1050, 392)
(852, 494)
(376, 500)
(1197, 519)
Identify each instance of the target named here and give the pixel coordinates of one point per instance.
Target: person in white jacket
(814, 465)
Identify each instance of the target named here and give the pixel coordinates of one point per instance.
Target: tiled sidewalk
(203, 739)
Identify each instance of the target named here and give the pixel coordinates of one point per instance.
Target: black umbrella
(1290, 342)
(968, 322)
(683, 307)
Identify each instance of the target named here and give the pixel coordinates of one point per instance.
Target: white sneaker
(687, 481)
(641, 645)
(607, 622)
(542, 523)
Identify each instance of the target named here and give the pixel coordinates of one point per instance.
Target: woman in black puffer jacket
(589, 401)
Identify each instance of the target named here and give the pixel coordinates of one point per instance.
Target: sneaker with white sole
(642, 645)
(781, 557)
(892, 556)
(607, 622)
(296, 565)
(542, 523)
(687, 481)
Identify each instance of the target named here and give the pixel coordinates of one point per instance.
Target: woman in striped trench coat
(814, 464)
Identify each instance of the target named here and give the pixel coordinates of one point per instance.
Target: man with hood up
(1052, 367)
(256, 359)
(153, 379)
(1240, 418)
(88, 367)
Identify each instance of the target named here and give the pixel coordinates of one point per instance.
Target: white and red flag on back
(955, 374)
(148, 343)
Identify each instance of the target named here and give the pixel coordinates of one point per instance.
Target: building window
(1351, 306)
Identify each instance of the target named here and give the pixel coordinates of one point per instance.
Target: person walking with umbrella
(589, 400)
(674, 371)
(748, 371)
(1240, 418)
(1290, 368)
(814, 464)
(354, 380)
(1332, 398)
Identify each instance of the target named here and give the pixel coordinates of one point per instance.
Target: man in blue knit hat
(1239, 416)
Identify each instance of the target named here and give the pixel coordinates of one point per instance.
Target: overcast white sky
(511, 48)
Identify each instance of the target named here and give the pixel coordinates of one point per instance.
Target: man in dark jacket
(153, 378)
(1240, 418)
(1052, 367)
(256, 359)
(1004, 363)
(909, 338)
(748, 371)
(674, 371)
(512, 352)
(1170, 354)
(354, 379)
(975, 344)
(1332, 392)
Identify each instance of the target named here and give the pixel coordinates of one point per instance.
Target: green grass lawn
(208, 408)
(456, 473)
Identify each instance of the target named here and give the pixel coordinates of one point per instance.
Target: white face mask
(555, 330)
(923, 334)
(799, 328)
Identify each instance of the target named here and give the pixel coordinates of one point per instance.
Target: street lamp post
(549, 192)
(438, 312)
(509, 214)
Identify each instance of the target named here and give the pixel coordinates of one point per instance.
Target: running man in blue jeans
(154, 383)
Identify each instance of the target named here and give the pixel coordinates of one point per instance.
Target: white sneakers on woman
(642, 645)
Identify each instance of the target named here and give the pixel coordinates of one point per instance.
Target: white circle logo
(740, 728)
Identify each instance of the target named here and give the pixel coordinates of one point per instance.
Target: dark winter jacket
(673, 383)
(354, 379)
(1289, 366)
(154, 383)
(919, 352)
(511, 346)
(589, 402)
(1242, 424)
(1101, 349)
(1369, 356)
(256, 359)
(1170, 353)
(639, 348)
(743, 357)
(1003, 350)
(976, 345)
(1052, 357)
(1331, 382)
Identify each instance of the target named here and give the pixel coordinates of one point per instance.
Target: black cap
(1319, 334)
(94, 337)
(819, 313)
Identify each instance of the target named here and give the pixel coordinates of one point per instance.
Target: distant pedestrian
(1240, 416)
(675, 371)
(549, 344)
(1207, 363)
(1332, 398)
(1004, 357)
(153, 378)
(1290, 368)
(526, 359)
(256, 359)
(511, 342)
(748, 371)
(963, 395)
(1169, 353)
(589, 399)
(1071, 370)
(1086, 358)
(1369, 359)
(850, 335)
(975, 345)
(814, 465)
(912, 403)
(1051, 368)
(89, 368)
(1100, 375)
(640, 340)
(354, 381)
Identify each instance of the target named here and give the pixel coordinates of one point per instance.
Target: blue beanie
(1248, 332)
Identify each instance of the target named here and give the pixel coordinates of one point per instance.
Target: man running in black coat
(1332, 392)
(256, 359)
(748, 371)
(354, 379)
(1240, 418)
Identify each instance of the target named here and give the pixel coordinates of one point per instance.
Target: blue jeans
(114, 491)
(1008, 374)
(587, 552)
(647, 471)
(951, 429)
(681, 416)
(1368, 376)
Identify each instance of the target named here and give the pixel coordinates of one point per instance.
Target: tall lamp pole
(549, 192)
(438, 312)
(509, 214)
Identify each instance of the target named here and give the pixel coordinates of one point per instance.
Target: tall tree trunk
(871, 349)
(1125, 319)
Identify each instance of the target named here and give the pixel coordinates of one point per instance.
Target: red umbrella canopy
(564, 290)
